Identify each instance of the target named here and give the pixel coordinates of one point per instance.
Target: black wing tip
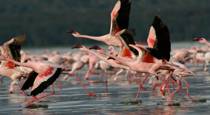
(125, 1)
(132, 31)
(157, 21)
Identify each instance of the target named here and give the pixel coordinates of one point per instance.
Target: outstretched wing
(126, 39)
(162, 45)
(30, 80)
(120, 16)
(151, 39)
(14, 46)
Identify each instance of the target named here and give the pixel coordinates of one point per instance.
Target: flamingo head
(72, 32)
(200, 40)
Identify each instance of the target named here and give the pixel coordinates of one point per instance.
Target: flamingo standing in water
(206, 55)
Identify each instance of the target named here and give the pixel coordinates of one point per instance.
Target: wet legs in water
(1, 80)
(39, 97)
(84, 86)
(141, 85)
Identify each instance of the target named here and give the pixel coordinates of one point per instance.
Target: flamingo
(119, 21)
(202, 41)
(43, 76)
(11, 49)
(92, 60)
(182, 55)
(152, 68)
(13, 74)
(159, 44)
(205, 57)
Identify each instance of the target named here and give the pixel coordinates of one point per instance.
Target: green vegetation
(46, 22)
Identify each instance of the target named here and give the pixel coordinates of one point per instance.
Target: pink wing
(151, 37)
(42, 77)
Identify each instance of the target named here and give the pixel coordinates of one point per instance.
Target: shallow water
(72, 99)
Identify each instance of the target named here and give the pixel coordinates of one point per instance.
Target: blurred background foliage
(46, 22)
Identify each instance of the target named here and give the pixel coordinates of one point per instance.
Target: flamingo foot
(162, 90)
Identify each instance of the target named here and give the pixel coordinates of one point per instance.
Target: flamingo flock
(153, 64)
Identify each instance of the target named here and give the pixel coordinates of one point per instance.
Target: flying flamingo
(152, 68)
(13, 74)
(12, 50)
(43, 76)
(119, 21)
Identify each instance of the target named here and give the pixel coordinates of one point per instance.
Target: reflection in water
(34, 112)
(15, 99)
(164, 110)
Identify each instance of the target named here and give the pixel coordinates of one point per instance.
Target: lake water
(73, 100)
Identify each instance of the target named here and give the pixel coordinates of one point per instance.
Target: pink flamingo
(159, 44)
(202, 41)
(12, 50)
(119, 21)
(152, 68)
(43, 76)
(119, 27)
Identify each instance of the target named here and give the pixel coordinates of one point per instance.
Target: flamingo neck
(98, 38)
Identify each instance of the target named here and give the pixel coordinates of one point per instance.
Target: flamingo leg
(140, 88)
(59, 84)
(84, 86)
(39, 97)
(179, 87)
(1, 80)
(138, 92)
(87, 75)
(106, 83)
(12, 86)
(187, 89)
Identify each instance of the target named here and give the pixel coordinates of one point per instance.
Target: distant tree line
(46, 22)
